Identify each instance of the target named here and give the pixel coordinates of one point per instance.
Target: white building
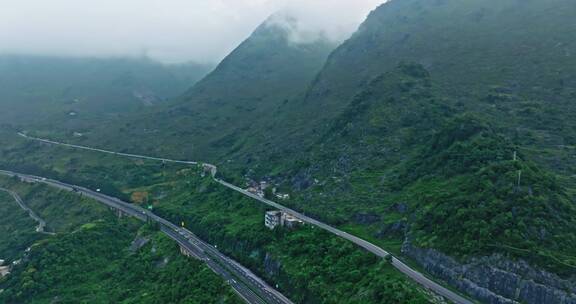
(272, 219)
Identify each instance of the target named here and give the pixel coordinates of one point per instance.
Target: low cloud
(327, 19)
(169, 30)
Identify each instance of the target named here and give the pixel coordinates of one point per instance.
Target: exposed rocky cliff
(496, 279)
(272, 266)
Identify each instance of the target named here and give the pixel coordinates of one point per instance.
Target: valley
(428, 157)
(165, 210)
(402, 267)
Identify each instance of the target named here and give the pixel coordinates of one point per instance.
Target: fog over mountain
(169, 30)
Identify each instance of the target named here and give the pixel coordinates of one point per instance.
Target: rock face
(496, 279)
(271, 266)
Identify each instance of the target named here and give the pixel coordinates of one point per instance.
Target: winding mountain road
(401, 266)
(41, 228)
(245, 283)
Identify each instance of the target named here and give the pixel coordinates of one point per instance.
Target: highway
(245, 283)
(41, 228)
(401, 266)
(165, 160)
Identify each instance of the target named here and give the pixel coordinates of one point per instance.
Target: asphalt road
(245, 283)
(165, 160)
(41, 228)
(402, 267)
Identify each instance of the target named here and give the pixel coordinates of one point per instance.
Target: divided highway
(245, 283)
(402, 267)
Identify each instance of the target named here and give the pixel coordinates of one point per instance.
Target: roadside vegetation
(17, 229)
(99, 263)
(309, 265)
(448, 125)
(62, 210)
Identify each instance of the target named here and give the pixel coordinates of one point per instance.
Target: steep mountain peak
(262, 73)
(275, 55)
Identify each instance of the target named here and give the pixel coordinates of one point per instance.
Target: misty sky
(168, 30)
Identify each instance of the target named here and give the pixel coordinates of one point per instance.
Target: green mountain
(474, 49)
(442, 130)
(239, 96)
(69, 92)
(482, 57)
(447, 126)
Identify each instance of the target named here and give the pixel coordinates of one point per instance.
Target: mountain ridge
(56, 91)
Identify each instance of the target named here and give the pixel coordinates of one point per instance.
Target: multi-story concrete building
(273, 219)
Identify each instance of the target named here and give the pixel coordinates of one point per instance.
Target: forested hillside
(443, 131)
(63, 212)
(93, 256)
(316, 270)
(17, 229)
(112, 262)
(375, 141)
(241, 96)
(486, 57)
